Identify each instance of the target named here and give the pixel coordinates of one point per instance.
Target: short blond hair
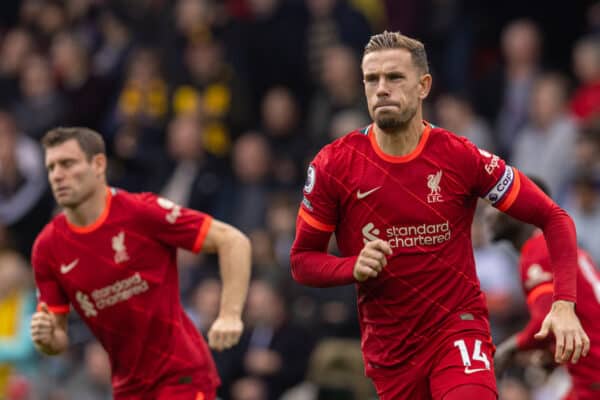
(396, 40)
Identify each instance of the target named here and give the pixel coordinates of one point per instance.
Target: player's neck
(89, 210)
(402, 141)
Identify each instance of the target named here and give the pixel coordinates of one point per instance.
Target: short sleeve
(319, 206)
(490, 177)
(173, 224)
(49, 290)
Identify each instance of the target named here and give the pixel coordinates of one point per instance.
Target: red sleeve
(531, 205)
(310, 263)
(172, 224)
(49, 290)
(317, 219)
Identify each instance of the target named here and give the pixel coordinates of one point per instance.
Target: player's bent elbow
(298, 271)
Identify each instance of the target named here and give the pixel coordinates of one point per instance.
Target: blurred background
(220, 104)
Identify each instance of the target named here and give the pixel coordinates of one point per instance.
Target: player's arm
(49, 331)
(312, 266)
(528, 203)
(539, 303)
(233, 249)
(48, 326)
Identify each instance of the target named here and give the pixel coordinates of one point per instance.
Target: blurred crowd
(220, 104)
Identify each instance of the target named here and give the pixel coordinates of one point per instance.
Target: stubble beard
(393, 124)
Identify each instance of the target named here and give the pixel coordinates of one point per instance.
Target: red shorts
(464, 358)
(176, 392)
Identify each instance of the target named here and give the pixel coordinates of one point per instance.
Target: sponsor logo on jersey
(494, 162)
(66, 268)
(433, 183)
(118, 245)
(536, 275)
(501, 187)
(175, 210)
(85, 304)
(370, 233)
(311, 176)
(361, 195)
(110, 295)
(470, 371)
(407, 236)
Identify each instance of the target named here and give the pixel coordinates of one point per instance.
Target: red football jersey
(422, 204)
(120, 275)
(537, 280)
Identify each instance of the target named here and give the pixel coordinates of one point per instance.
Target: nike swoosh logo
(66, 268)
(361, 195)
(469, 371)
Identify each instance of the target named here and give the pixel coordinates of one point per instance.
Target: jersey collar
(405, 158)
(99, 221)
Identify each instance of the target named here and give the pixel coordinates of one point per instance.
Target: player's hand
(571, 340)
(371, 260)
(225, 332)
(504, 355)
(43, 323)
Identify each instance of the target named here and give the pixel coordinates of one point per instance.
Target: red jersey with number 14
(422, 204)
(120, 275)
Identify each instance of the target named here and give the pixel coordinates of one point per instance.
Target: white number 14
(477, 354)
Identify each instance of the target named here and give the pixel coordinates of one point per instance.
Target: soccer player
(111, 255)
(538, 281)
(400, 196)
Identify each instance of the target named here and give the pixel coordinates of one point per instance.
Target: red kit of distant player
(537, 281)
(114, 272)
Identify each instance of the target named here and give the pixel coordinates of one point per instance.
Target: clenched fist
(225, 332)
(43, 324)
(371, 260)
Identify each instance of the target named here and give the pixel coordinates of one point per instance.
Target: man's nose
(382, 88)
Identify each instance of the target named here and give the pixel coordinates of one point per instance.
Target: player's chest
(423, 193)
(106, 257)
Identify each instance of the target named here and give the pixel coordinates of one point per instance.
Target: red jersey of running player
(120, 275)
(537, 281)
(422, 204)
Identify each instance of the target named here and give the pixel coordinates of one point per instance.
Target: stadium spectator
(585, 210)
(503, 94)
(585, 103)
(16, 46)
(455, 112)
(24, 204)
(281, 124)
(17, 304)
(40, 104)
(339, 90)
(550, 134)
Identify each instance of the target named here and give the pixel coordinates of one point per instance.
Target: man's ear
(424, 86)
(99, 164)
